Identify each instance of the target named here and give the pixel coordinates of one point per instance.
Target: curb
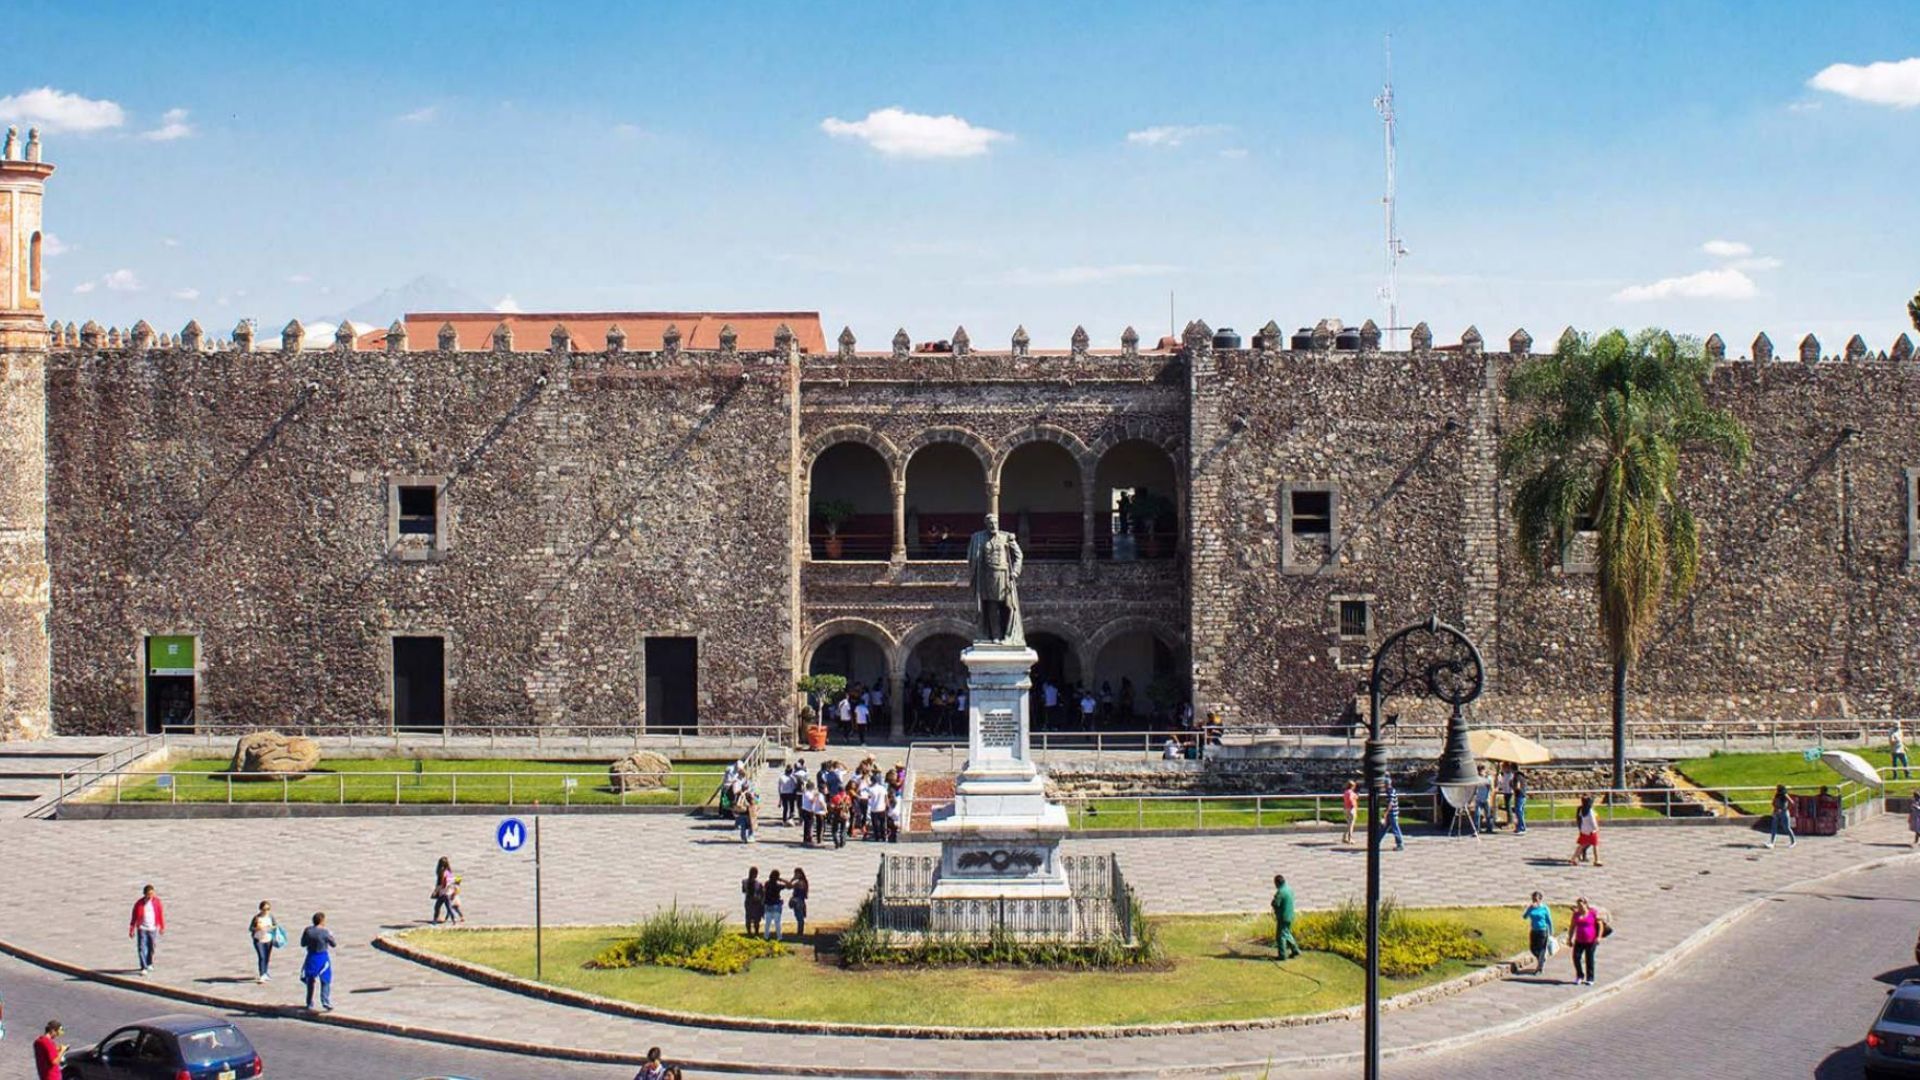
(393, 944)
(1645, 972)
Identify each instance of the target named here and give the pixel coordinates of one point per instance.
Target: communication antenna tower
(1390, 292)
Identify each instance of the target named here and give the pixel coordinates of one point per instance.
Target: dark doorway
(673, 665)
(419, 682)
(172, 668)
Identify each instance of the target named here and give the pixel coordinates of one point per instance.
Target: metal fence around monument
(1099, 910)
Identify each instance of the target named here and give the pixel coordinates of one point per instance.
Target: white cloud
(1884, 82)
(1758, 262)
(54, 111)
(51, 245)
(169, 241)
(1234, 153)
(1803, 107)
(185, 294)
(894, 132)
(299, 279)
(122, 281)
(1170, 135)
(423, 115)
(1723, 284)
(507, 305)
(1085, 275)
(631, 131)
(173, 125)
(1726, 249)
(86, 287)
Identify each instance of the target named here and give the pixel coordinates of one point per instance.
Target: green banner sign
(170, 655)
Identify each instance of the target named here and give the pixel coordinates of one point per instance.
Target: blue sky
(1559, 163)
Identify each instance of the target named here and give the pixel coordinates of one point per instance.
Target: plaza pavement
(69, 887)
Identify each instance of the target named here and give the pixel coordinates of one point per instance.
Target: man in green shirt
(1283, 942)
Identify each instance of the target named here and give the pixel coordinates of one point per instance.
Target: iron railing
(494, 735)
(1100, 908)
(414, 787)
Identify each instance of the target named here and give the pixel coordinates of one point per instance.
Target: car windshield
(210, 1045)
(1902, 1010)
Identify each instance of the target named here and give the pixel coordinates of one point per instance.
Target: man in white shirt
(846, 716)
(1087, 705)
(1050, 694)
(877, 819)
(860, 713)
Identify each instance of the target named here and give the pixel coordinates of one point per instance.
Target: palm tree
(1609, 420)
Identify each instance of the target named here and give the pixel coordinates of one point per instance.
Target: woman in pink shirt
(1350, 802)
(1584, 932)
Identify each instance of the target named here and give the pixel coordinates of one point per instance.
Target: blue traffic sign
(511, 835)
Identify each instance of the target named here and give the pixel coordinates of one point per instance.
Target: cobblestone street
(71, 884)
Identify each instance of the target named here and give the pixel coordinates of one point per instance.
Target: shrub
(694, 940)
(1409, 944)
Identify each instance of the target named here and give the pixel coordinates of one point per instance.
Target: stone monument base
(1000, 842)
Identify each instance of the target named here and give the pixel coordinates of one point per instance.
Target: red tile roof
(645, 330)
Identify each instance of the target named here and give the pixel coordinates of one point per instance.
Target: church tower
(25, 654)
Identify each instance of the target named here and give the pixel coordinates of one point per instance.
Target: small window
(1312, 513)
(33, 264)
(417, 526)
(1581, 552)
(1913, 516)
(419, 511)
(1355, 619)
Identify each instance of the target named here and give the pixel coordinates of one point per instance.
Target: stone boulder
(272, 752)
(642, 770)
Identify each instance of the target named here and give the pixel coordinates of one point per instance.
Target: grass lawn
(1762, 771)
(1219, 969)
(484, 780)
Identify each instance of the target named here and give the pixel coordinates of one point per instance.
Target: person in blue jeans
(318, 968)
(776, 905)
(1392, 823)
(1519, 803)
(1782, 819)
(1539, 932)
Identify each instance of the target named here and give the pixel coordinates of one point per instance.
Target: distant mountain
(424, 293)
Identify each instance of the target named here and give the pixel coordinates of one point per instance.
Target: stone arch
(934, 627)
(1131, 430)
(821, 441)
(1129, 671)
(1128, 624)
(946, 491)
(1040, 433)
(858, 627)
(950, 434)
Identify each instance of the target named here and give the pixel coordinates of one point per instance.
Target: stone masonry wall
(592, 500)
(23, 558)
(1808, 602)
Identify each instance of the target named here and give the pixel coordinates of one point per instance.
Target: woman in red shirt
(1350, 802)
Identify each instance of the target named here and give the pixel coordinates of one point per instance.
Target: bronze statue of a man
(993, 558)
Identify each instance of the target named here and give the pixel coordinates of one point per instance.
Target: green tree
(1609, 418)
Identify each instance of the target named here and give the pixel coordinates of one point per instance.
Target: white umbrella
(1852, 766)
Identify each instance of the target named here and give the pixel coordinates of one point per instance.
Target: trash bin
(1815, 815)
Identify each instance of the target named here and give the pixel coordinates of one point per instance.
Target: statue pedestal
(1001, 839)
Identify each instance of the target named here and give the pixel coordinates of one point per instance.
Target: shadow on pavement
(1846, 1063)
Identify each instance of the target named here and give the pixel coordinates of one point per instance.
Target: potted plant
(818, 688)
(833, 513)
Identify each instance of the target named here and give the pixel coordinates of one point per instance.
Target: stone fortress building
(651, 520)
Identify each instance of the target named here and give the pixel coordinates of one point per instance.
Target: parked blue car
(169, 1048)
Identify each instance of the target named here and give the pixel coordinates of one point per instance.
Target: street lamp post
(1429, 659)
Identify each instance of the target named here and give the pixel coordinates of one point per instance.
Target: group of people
(149, 922)
(768, 901)
(833, 804)
(1588, 924)
(836, 803)
(1510, 787)
(858, 708)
